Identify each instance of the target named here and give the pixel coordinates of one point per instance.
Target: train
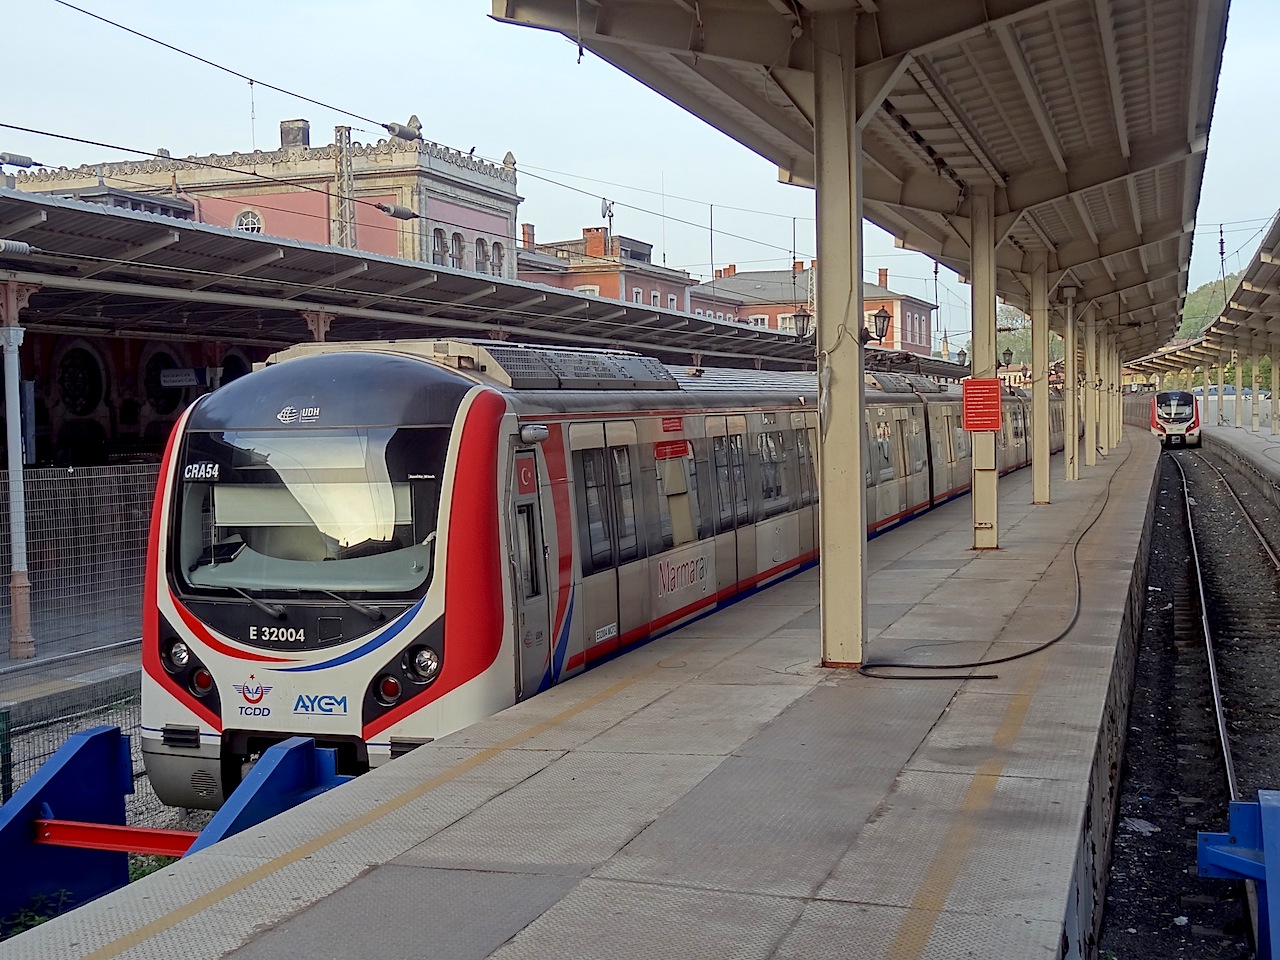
(1175, 418)
(378, 543)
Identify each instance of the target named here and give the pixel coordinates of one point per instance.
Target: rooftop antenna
(606, 211)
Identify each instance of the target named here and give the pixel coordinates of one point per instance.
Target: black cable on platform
(866, 669)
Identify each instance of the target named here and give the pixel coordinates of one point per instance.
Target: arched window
(250, 221)
(495, 256)
(482, 256)
(437, 246)
(455, 252)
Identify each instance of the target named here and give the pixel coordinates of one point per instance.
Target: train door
(609, 532)
(735, 546)
(529, 566)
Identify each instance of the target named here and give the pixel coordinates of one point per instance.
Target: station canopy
(1249, 322)
(1090, 119)
(103, 271)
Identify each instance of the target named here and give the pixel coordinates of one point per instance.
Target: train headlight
(388, 689)
(425, 663)
(201, 682)
(179, 654)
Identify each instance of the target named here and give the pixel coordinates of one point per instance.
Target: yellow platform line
(936, 885)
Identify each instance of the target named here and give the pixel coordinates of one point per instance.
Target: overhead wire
(350, 113)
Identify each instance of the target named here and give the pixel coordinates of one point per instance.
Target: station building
(771, 298)
(603, 264)
(99, 399)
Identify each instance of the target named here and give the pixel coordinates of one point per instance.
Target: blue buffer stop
(1250, 850)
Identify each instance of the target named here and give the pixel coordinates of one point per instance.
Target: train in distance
(1175, 418)
(376, 544)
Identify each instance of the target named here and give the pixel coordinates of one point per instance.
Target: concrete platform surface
(717, 794)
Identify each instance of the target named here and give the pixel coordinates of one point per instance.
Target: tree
(1204, 304)
(1013, 332)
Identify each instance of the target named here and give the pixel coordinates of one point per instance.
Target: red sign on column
(526, 475)
(981, 404)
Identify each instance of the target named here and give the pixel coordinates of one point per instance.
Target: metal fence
(86, 550)
(86, 545)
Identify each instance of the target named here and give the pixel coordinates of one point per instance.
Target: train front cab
(1175, 418)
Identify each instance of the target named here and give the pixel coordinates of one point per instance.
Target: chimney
(797, 267)
(526, 235)
(882, 277)
(730, 270)
(295, 133)
(719, 274)
(595, 237)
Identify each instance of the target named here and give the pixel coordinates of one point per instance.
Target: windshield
(1176, 406)
(351, 510)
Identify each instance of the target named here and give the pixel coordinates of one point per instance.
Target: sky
(580, 131)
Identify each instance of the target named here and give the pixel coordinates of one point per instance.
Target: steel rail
(1257, 531)
(1219, 713)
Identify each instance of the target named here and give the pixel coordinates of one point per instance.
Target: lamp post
(804, 323)
(881, 319)
(962, 356)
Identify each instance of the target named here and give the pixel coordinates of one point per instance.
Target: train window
(946, 441)
(625, 505)
(526, 538)
(678, 500)
(960, 440)
(738, 461)
(597, 541)
(773, 472)
(346, 510)
(808, 473)
(881, 450)
(730, 480)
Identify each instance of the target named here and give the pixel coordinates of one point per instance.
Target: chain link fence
(86, 546)
(87, 533)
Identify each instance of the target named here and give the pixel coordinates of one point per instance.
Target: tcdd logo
(321, 703)
(253, 693)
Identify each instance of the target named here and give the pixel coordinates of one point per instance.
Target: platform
(717, 794)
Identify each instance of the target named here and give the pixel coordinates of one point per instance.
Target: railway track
(1175, 781)
(1239, 576)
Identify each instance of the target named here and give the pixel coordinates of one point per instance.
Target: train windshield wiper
(274, 609)
(373, 613)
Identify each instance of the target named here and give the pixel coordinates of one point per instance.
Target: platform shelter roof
(105, 271)
(1089, 118)
(1249, 322)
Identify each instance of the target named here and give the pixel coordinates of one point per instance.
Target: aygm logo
(254, 693)
(320, 703)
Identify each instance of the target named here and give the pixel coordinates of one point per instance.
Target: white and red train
(1175, 418)
(376, 544)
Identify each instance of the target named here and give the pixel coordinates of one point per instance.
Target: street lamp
(804, 323)
(1007, 357)
(962, 356)
(881, 319)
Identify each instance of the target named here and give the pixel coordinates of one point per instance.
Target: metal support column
(13, 298)
(1104, 391)
(842, 505)
(1222, 379)
(1090, 391)
(1071, 387)
(1039, 377)
(1254, 412)
(986, 471)
(1275, 393)
(1238, 383)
